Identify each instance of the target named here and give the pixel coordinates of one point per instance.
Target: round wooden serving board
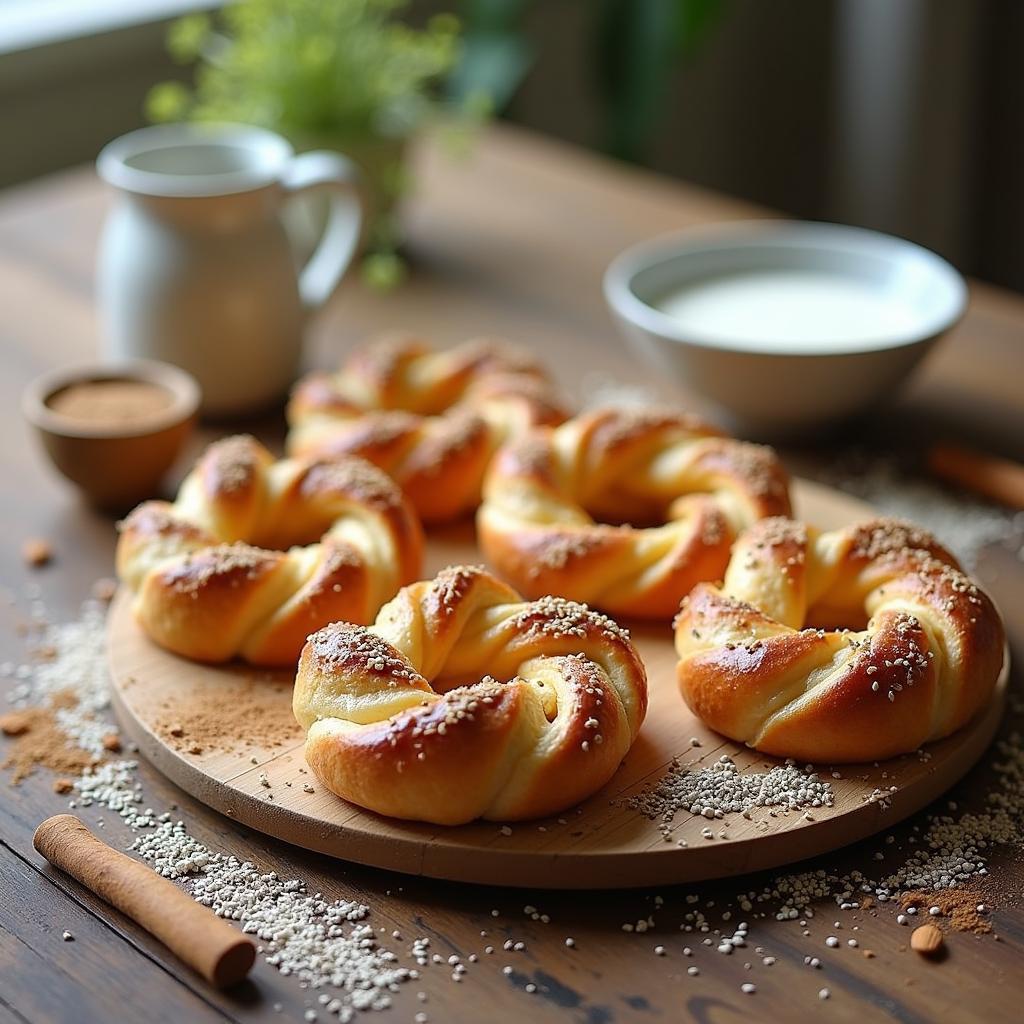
(226, 735)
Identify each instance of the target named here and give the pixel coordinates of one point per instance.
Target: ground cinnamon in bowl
(109, 404)
(113, 429)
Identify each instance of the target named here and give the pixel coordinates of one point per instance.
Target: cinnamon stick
(193, 932)
(999, 479)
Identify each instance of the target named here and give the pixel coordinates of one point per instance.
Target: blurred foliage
(383, 270)
(310, 67)
(637, 47)
(496, 53)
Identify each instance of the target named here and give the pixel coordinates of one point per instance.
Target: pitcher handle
(324, 170)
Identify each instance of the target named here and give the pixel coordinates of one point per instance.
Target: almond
(15, 723)
(36, 552)
(926, 940)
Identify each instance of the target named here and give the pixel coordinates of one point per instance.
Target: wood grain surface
(510, 241)
(595, 845)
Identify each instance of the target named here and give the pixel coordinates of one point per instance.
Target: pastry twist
(679, 490)
(209, 587)
(464, 702)
(431, 420)
(761, 659)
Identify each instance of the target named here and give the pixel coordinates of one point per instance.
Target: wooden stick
(992, 477)
(204, 941)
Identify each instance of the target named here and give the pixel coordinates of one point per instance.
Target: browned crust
(472, 750)
(210, 600)
(232, 470)
(405, 767)
(194, 605)
(340, 588)
(928, 663)
(317, 393)
(434, 436)
(157, 519)
(542, 488)
(751, 470)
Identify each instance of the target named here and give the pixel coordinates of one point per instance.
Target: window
(25, 24)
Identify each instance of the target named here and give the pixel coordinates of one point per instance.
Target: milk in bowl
(786, 325)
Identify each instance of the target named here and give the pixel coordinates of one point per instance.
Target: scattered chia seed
(321, 943)
(76, 664)
(720, 789)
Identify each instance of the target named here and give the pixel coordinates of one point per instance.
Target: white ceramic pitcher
(195, 266)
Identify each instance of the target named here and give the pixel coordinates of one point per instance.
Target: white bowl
(786, 386)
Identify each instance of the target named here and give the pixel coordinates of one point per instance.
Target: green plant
(310, 67)
(344, 73)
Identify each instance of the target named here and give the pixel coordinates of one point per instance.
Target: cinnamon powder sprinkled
(41, 742)
(58, 697)
(958, 908)
(238, 715)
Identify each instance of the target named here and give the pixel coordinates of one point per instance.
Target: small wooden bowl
(116, 465)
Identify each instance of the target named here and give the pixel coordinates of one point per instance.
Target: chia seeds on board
(331, 949)
(719, 789)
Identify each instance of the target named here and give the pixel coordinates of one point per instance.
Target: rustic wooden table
(511, 241)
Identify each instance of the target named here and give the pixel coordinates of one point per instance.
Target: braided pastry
(204, 591)
(922, 656)
(544, 492)
(400, 721)
(431, 420)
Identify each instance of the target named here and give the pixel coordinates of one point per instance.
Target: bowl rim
(784, 233)
(183, 387)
